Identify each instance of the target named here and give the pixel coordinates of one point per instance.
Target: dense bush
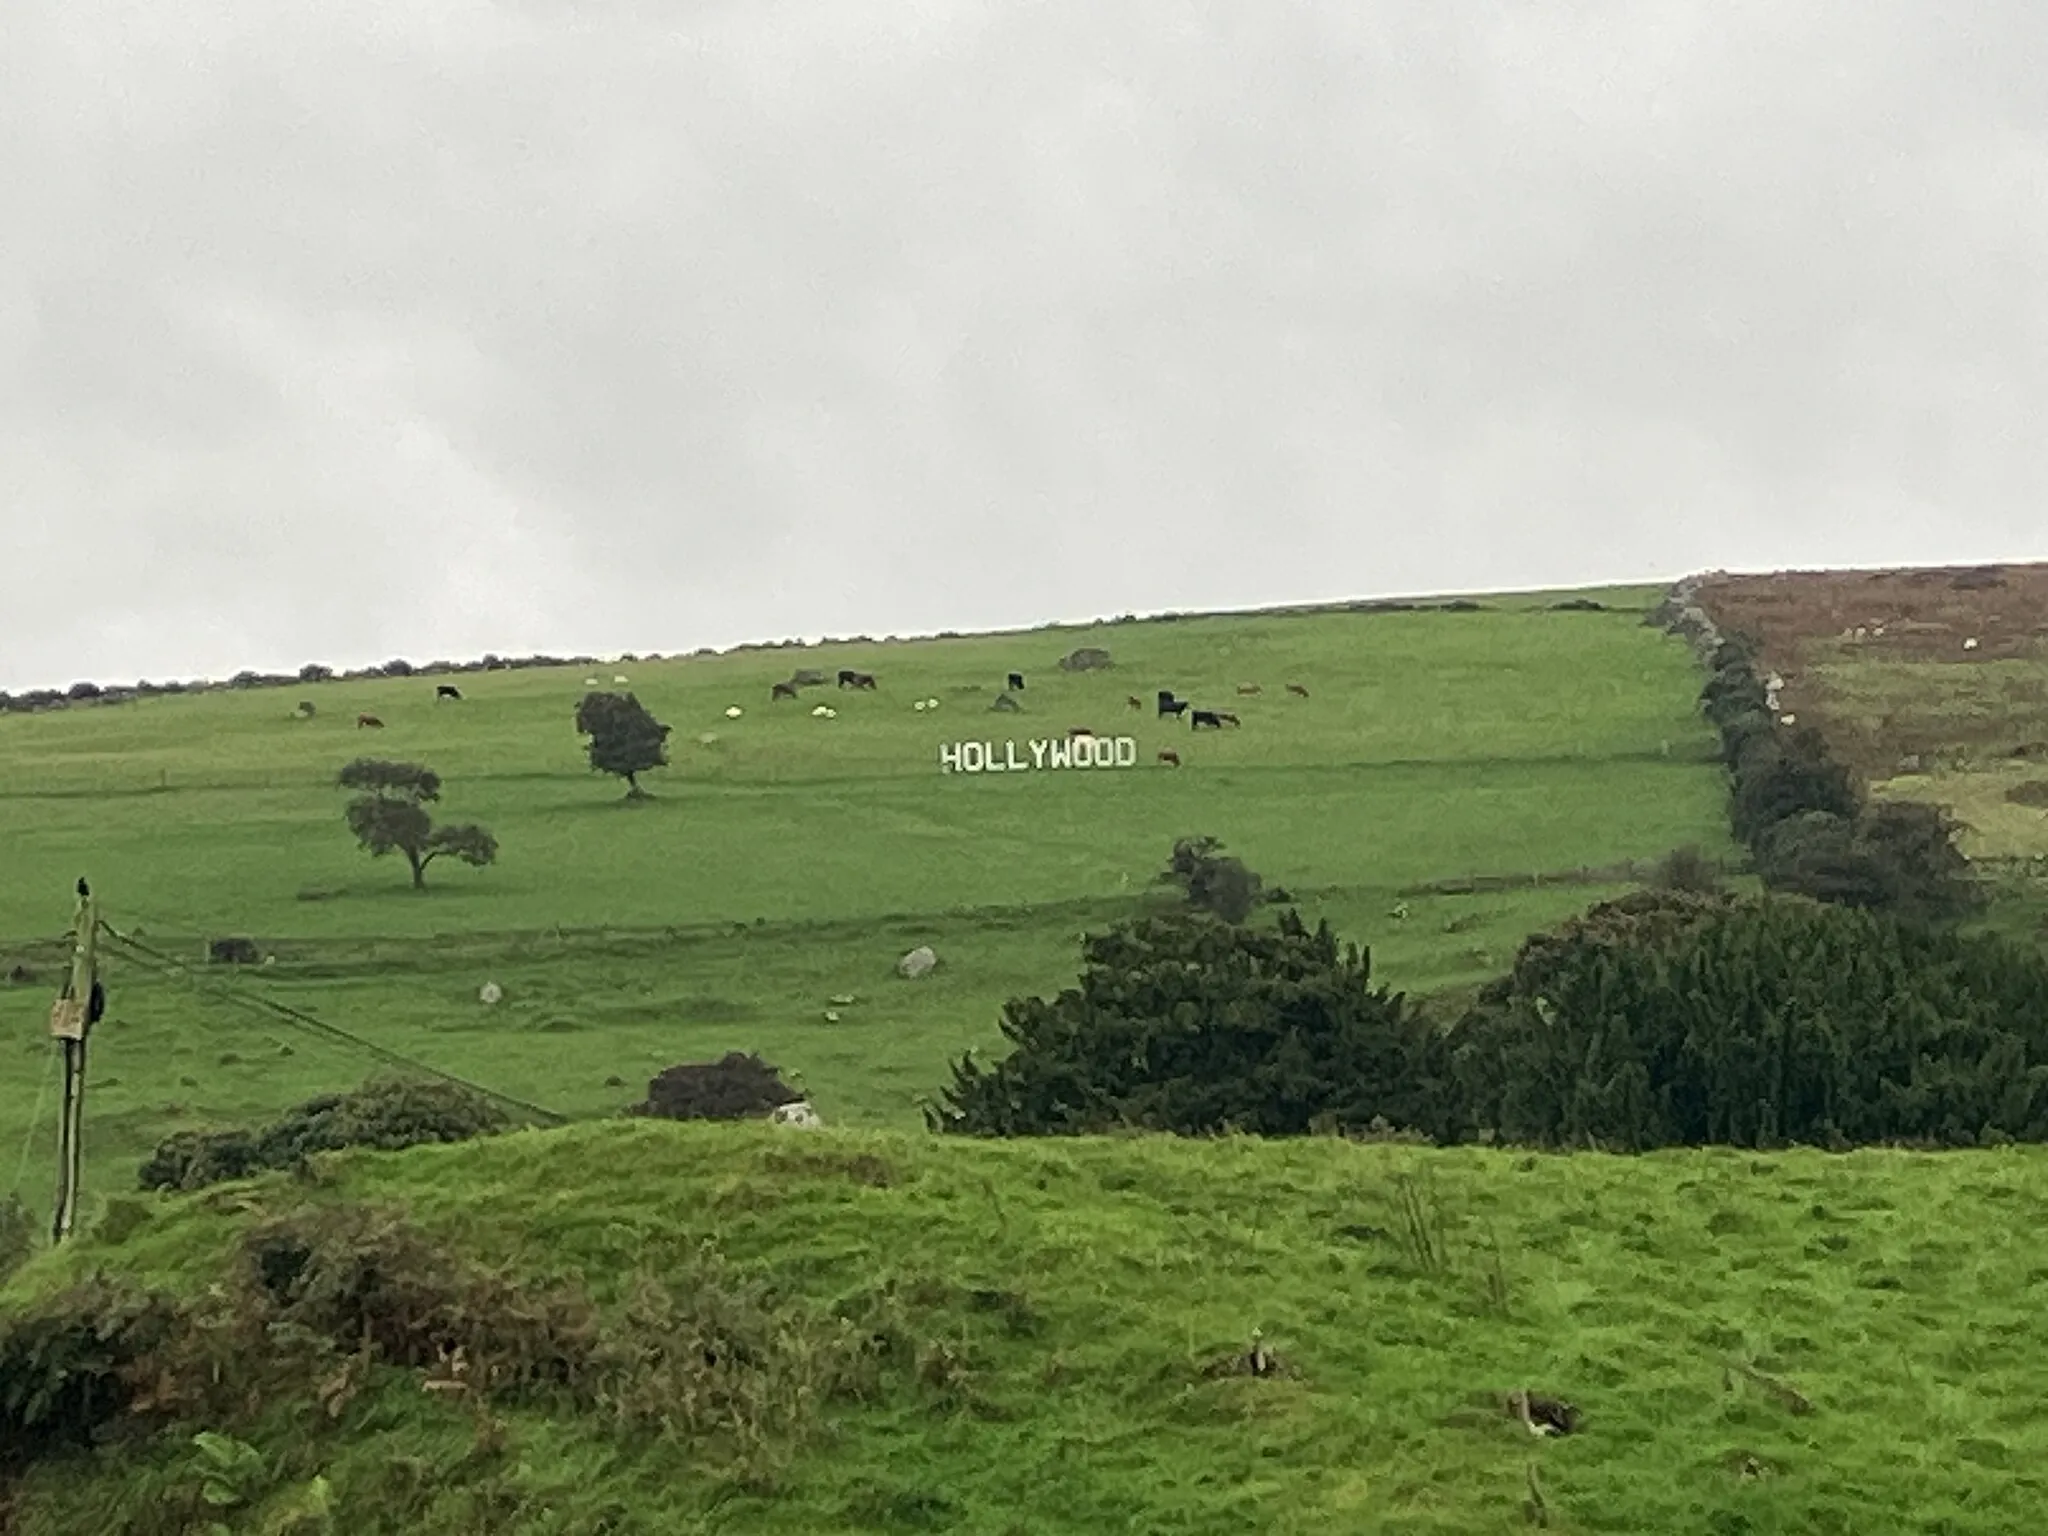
(68, 1364)
(738, 1086)
(1667, 1017)
(1671, 1018)
(1187, 1024)
(386, 1113)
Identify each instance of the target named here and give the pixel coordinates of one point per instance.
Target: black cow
(447, 691)
(848, 678)
(1016, 682)
(1208, 717)
(782, 691)
(1169, 705)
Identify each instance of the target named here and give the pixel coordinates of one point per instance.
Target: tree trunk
(632, 786)
(419, 870)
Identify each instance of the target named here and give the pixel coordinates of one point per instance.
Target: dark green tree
(624, 738)
(389, 814)
(1212, 880)
(1183, 1023)
(1666, 1018)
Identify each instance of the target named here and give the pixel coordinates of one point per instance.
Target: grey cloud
(346, 331)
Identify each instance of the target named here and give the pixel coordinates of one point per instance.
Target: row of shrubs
(1662, 1018)
(1808, 826)
(313, 672)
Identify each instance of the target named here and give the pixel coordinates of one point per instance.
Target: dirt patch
(1904, 671)
(1916, 615)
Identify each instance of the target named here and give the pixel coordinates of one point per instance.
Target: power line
(35, 1123)
(320, 1028)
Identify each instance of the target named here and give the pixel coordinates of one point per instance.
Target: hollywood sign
(1072, 752)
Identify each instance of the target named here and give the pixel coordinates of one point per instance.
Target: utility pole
(72, 1017)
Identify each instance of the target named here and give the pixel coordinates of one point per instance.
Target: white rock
(931, 703)
(491, 993)
(918, 962)
(1788, 719)
(618, 677)
(919, 706)
(590, 682)
(733, 712)
(1970, 644)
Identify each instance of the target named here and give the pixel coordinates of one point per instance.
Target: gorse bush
(738, 1086)
(1667, 1017)
(386, 1113)
(1188, 1024)
(1683, 1019)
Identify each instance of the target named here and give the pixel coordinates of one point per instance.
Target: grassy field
(1076, 1291)
(788, 860)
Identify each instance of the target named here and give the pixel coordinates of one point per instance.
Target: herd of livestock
(1166, 702)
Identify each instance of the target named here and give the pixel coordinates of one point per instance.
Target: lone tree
(389, 813)
(624, 738)
(1212, 880)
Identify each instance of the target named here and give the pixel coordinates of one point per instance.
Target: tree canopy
(625, 739)
(389, 815)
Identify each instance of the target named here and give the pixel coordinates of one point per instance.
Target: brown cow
(1134, 701)
(1297, 690)
(1170, 758)
(369, 722)
(1248, 689)
(782, 691)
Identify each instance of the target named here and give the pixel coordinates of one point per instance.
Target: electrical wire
(35, 1123)
(320, 1028)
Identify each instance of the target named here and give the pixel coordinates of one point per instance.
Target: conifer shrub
(1673, 1018)
(1185, 1023)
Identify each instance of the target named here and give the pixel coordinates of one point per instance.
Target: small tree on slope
(389, 813)
(624, 738)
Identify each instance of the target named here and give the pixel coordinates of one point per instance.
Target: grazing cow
(369, 722)
(1248, 689)
(1208, 717)
(446, 691)
(1170, 758)
(1297, 690)
(1134, 701)
(782, 691)
(848, 678)
(1016, 682)
(1169, 705)
(1227, 717)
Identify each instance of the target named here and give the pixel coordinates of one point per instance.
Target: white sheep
(919, 706)
(733, 712)
(800, 1114)
(618, 677)
(1970, 644)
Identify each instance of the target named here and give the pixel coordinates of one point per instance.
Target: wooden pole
(71, 1020)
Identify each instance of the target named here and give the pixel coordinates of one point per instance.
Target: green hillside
(1763, 1344)
(789, 859)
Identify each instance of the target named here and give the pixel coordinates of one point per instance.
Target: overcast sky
(338, 331)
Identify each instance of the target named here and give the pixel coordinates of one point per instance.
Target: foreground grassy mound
(1030, 1337)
